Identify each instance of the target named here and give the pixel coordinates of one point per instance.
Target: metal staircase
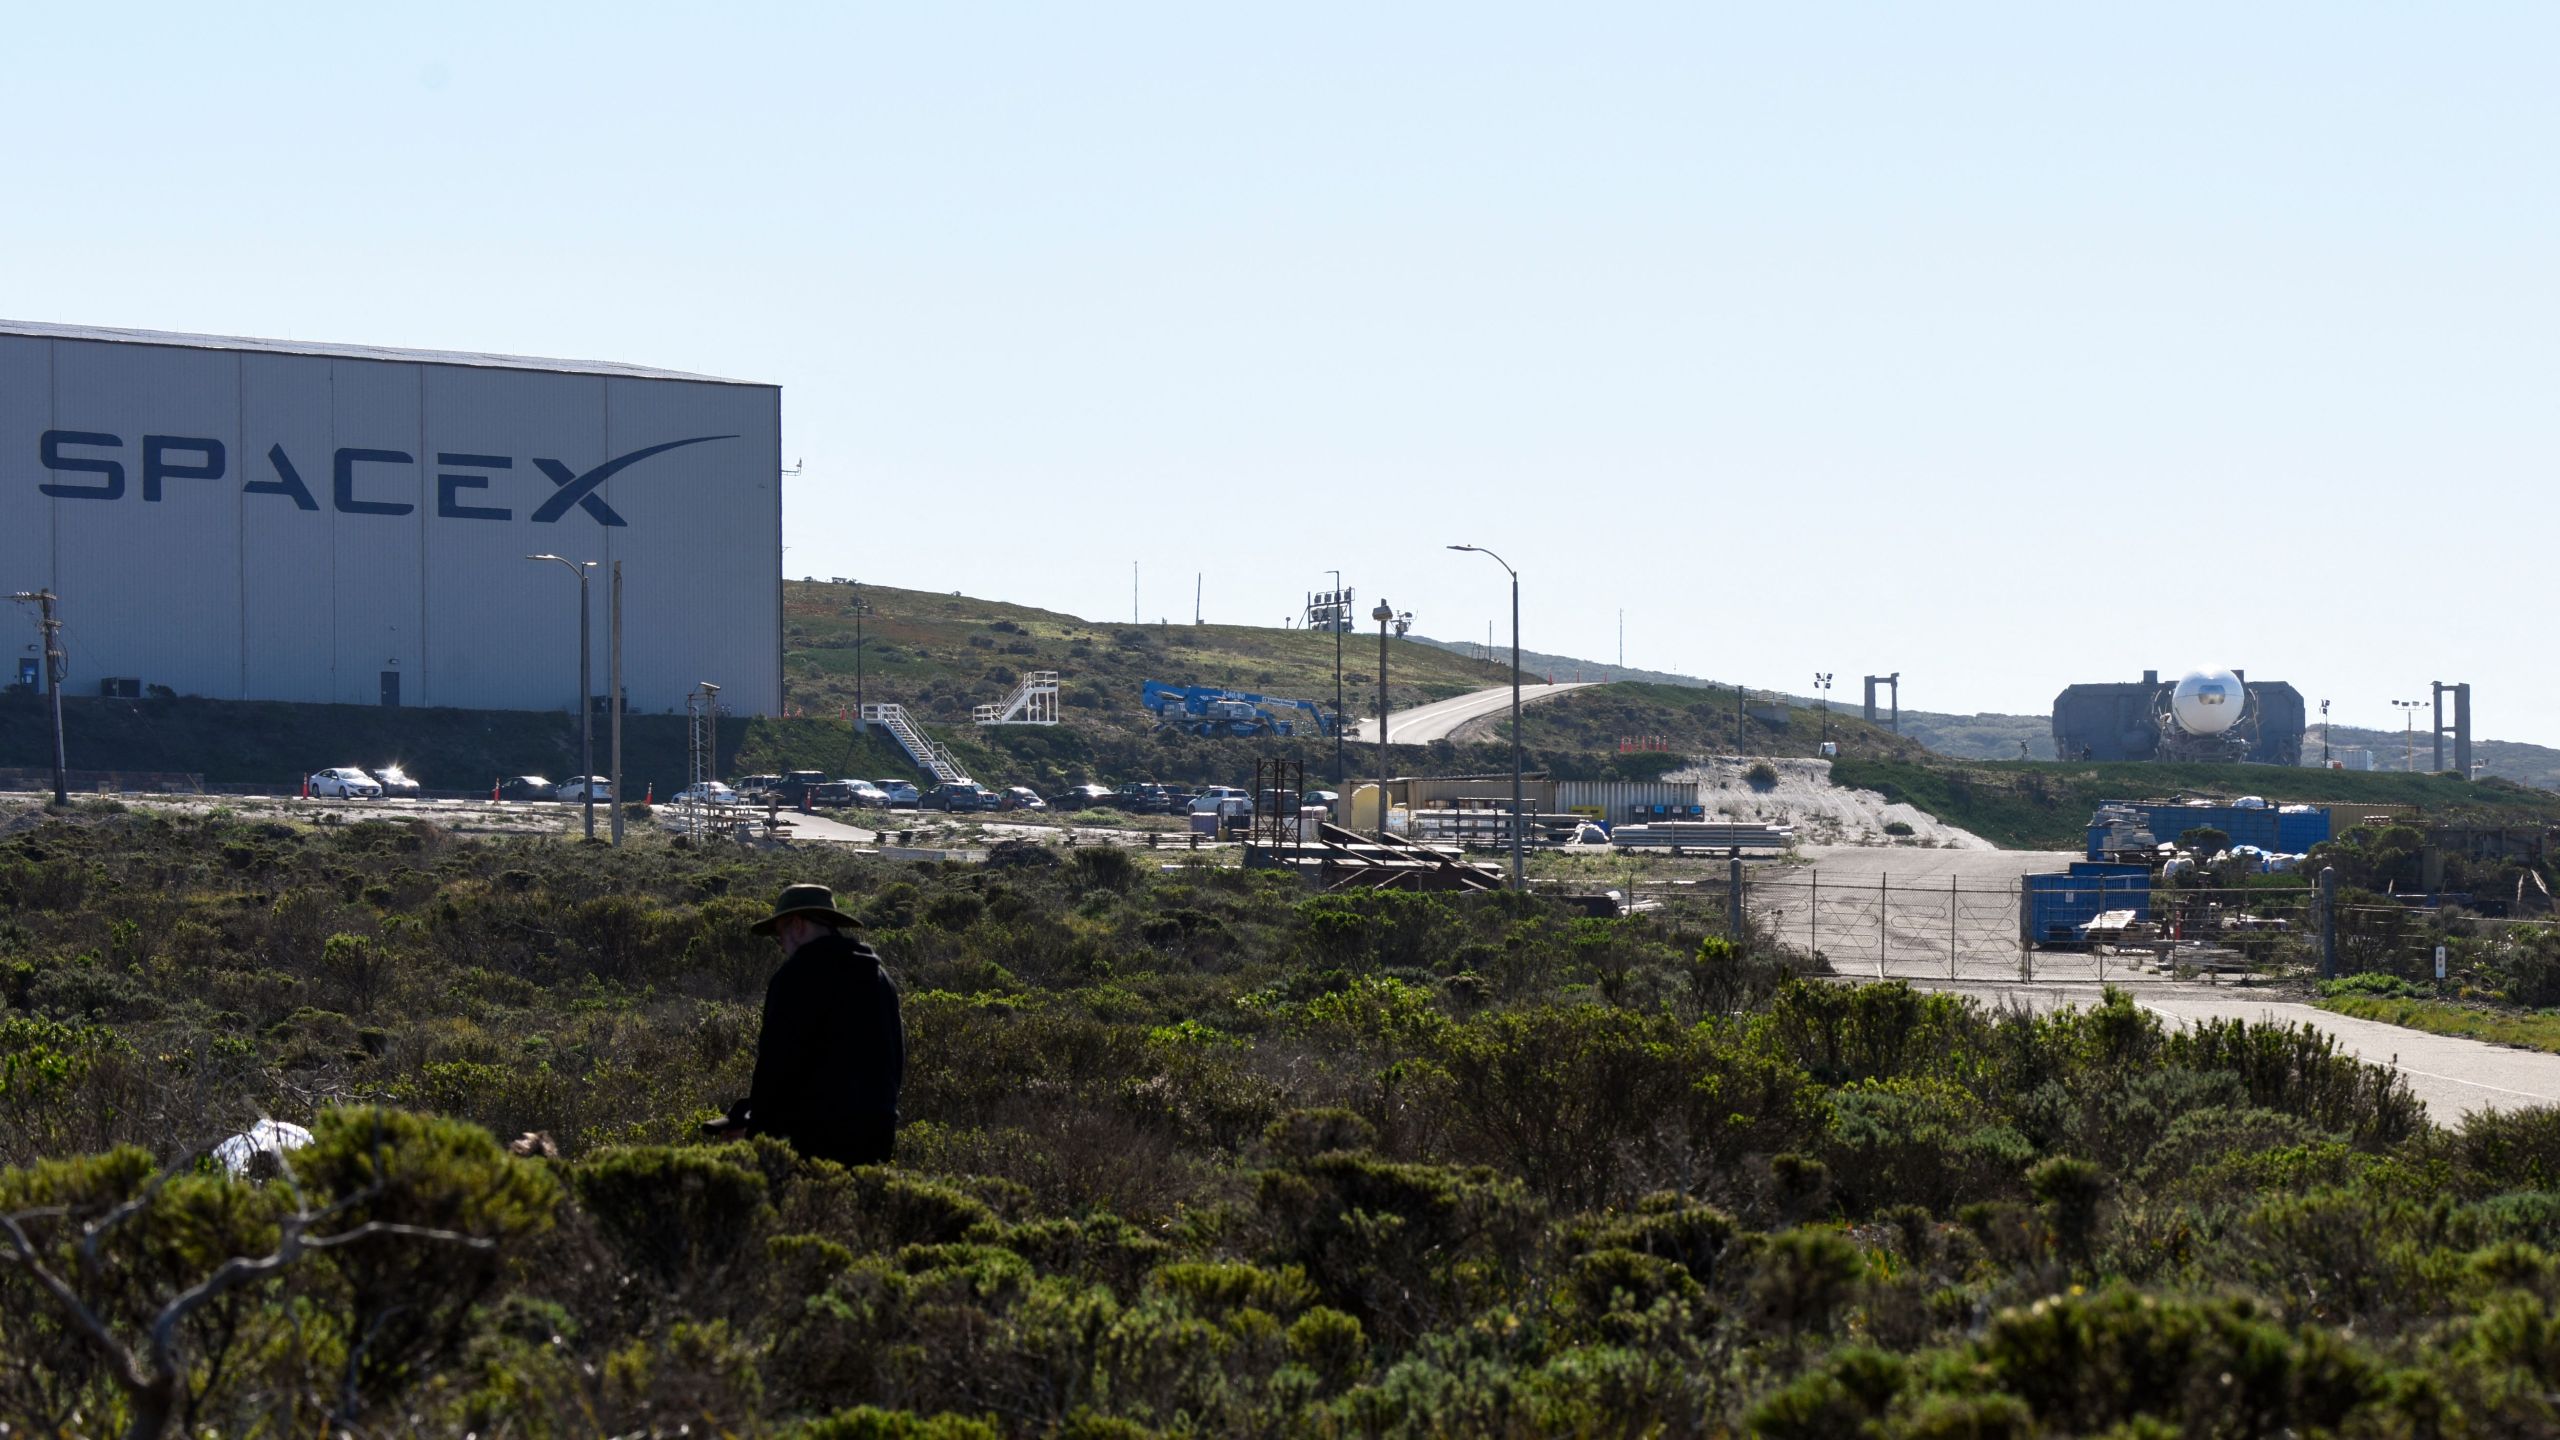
(930, 755)
(1033, 702)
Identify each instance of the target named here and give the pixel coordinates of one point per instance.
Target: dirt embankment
(1821, 812)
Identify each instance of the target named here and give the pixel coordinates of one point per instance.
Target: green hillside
(940, 655)
(1693, 720)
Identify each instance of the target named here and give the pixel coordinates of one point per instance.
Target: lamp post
(1519, 822)
(1340, 610)
(1822, 682)
(2409, 732)
(49, 650)
(2324, 734)
(1384, 615)
(613, 682)
(586, 692)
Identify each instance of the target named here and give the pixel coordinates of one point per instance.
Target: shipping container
(2053, 907)
(1631, 802)
(2287, 830)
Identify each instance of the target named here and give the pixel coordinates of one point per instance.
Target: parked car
(578, 790)
(902, 794)
(527, 787)
(1207, 801)
(1148, 798)
(863, 795)
(709, 792)
(1020, 797)
(396, 782)
(959, 795)
(789, 788)
(752, 787)
(1084, 797)
(834, 795)
(344, 783)
(1331, 800)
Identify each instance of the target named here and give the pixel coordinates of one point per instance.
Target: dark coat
(831, 1056)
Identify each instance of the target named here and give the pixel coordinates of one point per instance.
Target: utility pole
(1822, 682)
(49, 634)
(613, 677)
(861, 608)
(2324, 734)
(1341, 612)
(1383, 614)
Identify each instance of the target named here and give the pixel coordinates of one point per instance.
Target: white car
(396, 782)
(344, 783)
(709, 792)
(577, 790)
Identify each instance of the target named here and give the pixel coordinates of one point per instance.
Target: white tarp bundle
(272, 1137)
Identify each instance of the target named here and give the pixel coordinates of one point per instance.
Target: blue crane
(1212, 713)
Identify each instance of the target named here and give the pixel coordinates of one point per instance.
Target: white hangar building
(273, 520)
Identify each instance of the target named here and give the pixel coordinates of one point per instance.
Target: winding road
(1435, 721)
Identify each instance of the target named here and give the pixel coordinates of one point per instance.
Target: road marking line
(2394, 1063)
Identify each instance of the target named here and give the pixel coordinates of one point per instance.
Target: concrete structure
(2460, 729)
(273, 520)
(2122, 722)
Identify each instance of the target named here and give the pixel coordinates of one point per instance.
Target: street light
(1822, 682)
(861, 608)
(1518, 821)
(1385, 615)
(1340, 610)
(586, 692)
(2409, 732)
(2324, 734)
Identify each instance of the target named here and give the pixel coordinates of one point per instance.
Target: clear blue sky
(2005, 346)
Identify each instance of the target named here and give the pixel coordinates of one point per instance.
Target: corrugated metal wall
(1618, 800)
(363, 516)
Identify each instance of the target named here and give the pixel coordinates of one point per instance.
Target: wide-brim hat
(816, 901)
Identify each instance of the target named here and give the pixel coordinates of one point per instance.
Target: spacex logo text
(193, 458)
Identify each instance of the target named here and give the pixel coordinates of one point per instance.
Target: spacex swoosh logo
(580, 490)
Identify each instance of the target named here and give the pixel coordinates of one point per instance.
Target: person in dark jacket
(832, 1052)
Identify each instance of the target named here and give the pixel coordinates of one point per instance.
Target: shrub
(676, 1215)
(1761, 776)
(2379, 986)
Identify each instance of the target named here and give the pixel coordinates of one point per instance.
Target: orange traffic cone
(651, 797)
(493, 792)
(306, 787)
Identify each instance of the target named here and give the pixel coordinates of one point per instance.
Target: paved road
(1425, 723)
(2454, 1076)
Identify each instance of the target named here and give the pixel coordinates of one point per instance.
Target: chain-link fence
(1959, 931)
(1873, 927)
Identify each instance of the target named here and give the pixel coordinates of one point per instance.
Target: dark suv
(960, 795)
(791, 787)
(1148, 800)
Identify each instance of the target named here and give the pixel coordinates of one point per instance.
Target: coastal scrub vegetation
(1189, 1151)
